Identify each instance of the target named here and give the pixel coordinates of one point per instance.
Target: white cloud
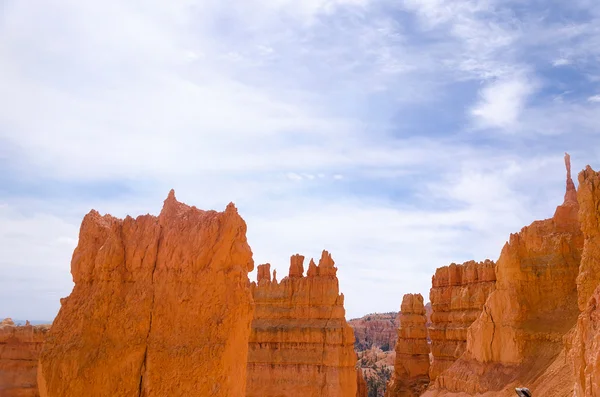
(502, 102)
(594, 98)
(325, 121)
(561, 62)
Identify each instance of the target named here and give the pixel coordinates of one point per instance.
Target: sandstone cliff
(585, 343)
(377, 329)
(519, 334)
(300, 343)
(411, 369)
(457, 296)
(361, 384)
(20, 347)
(161, 306)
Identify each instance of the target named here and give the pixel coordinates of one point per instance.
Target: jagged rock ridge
(300, 343)
(161, 306)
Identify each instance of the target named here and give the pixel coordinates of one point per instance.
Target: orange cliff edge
(161, 307)
(411, 369)
(300, 343)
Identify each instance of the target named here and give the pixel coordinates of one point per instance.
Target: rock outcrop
(20, 347)
(457, 296)
(585, 343)
(300, 343)
(161, 306)
(520, 331)
(377, 329)
(411, 369)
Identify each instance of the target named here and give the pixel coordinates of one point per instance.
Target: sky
(400, 135)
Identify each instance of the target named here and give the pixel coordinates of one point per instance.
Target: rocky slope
(457, 296)
(411, 369)
(518, 338)
(300, 343)
(376, 329)
(20, 347)
(161, 306)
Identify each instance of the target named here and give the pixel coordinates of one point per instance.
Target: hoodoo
(161, 307)
(411, 369)
(300, 343)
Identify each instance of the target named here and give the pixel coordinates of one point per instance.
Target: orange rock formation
(457, 295)
(300, 343)
(361, 389)
(161, 307)
(519, 334)
(585, 346)
(377, 329)
(20, 347)
(411, 370)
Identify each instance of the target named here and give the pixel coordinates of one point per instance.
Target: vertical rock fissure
(323, 367)
(145, 358)
(489, 313)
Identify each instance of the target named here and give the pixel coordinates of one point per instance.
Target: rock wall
(411, 369)
(457, 296)
(20, 347)
(161, 306)
(300, 343)
(377, 329)
(585, 344)
(519, 334)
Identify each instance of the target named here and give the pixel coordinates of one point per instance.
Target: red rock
(457, 296)
(411, 369)
(300, 343)
(377, 329)
(161, 307)
(20, 347)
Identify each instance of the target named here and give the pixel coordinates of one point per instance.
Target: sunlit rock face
(411, 369)
(521, 330)
(161, 307)
(301, 344)
(457, 296)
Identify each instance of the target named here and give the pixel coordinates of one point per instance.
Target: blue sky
(399, 135)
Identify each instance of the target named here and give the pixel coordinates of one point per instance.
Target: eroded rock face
(585, 344)
(361, 390)
(20, 347)
(377, 329)
(457, 296)
(520, 331)
(411, 369)
(161, 306)
(300, 343)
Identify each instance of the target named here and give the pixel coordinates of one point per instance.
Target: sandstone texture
(585, 341)
(20, 347)
(377, 329)
(457, 296)
(161, 307)
(300, 343)
(519, 336)
(411, 369)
